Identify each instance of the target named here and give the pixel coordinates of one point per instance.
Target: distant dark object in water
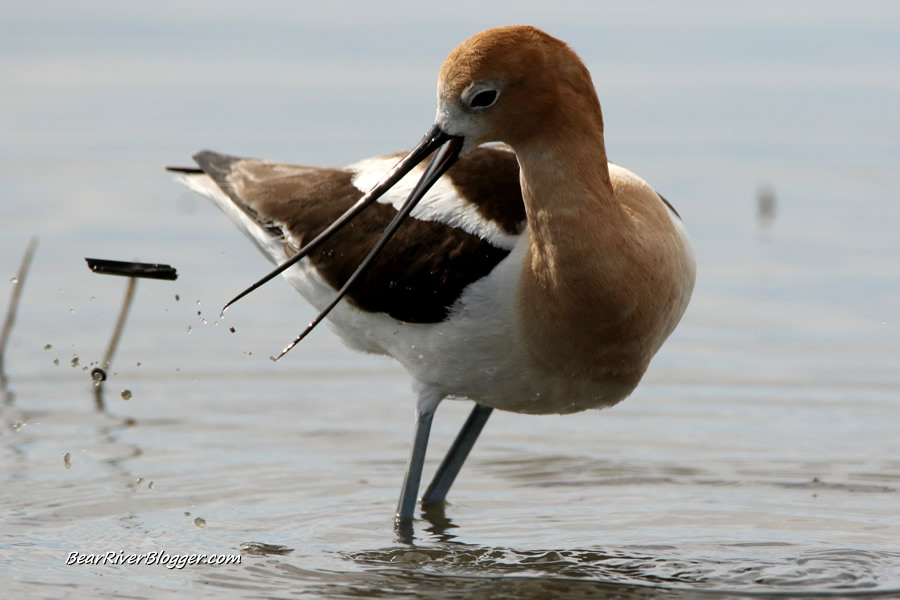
(765, 206)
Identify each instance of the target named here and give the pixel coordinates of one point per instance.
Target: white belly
(475, 354)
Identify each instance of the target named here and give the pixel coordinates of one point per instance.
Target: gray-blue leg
(456, 456)
(406, 507)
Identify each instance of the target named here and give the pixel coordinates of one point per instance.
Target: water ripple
(809, 571)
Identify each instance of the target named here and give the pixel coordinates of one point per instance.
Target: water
(759, 457)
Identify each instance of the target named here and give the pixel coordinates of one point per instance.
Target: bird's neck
(575, 311)
(573, 214)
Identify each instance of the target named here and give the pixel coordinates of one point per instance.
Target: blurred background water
(760, 455)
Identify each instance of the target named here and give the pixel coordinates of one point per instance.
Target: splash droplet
(67, 460)
(201, 523)
(126, 394)
(48, 347)
(98, 375)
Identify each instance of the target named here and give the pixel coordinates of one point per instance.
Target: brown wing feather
(425, 267)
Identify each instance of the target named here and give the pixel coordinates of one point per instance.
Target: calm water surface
(760, 456)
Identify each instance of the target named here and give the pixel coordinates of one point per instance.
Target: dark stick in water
(132, 270)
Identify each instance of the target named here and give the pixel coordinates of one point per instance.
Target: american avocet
(535, 278)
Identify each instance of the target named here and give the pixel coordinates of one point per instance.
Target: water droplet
(201, 523)
(75, 361)
(198, 303)
(187, 514)
(18, 427)
(98, 375)
(138, 363)
(140, 481)
(189, 329)
(150, 486)
(48, 347)
(126, 394)
(67, 460)
(14, 280)
(56, 361)
(71, 311)
(231, 329)
(177, 297)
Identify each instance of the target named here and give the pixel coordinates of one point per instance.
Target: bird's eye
(483, 99)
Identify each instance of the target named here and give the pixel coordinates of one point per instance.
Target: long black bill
(447, 153)
(433, 139)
